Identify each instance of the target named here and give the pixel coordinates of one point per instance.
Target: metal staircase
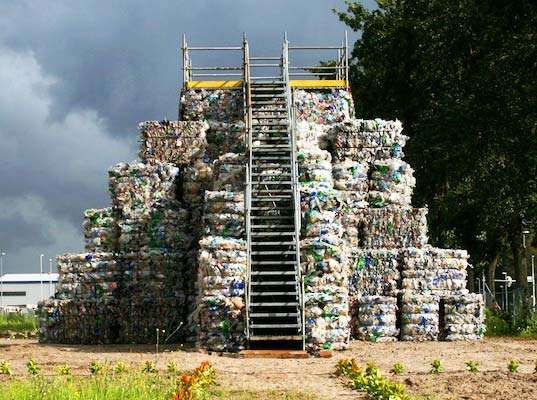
(274, 303)
(274, 290)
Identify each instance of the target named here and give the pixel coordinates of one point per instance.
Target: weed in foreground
(472, 366)
(436, 366)
(5, 368)
(398, 368)
(371, 381)
(32, 367)
(513, 365)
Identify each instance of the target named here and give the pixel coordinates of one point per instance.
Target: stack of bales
(152, 294)
(419, 316)
(322, 255)
(222, 273)
(218, 320)
(86, 306)
(373, 286)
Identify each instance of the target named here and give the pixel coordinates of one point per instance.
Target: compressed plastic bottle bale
(419, 316)
(376, 318)
(175, 142)
(391, 183)
(350, 176)
(323, 108)
(137, 188)
(218, 105)
(366, 140)
(230, 172)
(225, 225)
(197, 178)
(327, 318)
(100, 230)
(310, 135)
(314, 166)
(441, 271)
(375, 272)
(225, 137)
(394, 227)
(464, 317)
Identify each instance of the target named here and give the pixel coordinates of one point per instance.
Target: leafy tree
(460, 75)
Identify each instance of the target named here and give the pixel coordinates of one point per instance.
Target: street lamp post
(50, 277)
(41, 273)
(2, 254)
(533, 281)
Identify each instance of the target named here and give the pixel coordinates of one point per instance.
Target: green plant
(436, 366)
(96, 367)
(513, 365)
(472, 366)
(63, 369)
(17, 322)
(5, 368)
(32, 367)
(398, 368)
(371, 381)
(120, 367)
(149, 367)
(172, 367)
(530, 330)
(194, 386)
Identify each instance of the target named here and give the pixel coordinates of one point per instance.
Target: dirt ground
(314, 375)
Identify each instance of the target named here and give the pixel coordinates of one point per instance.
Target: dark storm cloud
(77, 77)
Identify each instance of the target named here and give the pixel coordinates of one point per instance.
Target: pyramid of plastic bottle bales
(170, 251)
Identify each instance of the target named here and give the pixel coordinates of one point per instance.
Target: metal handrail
(294, 180)
(248, 191)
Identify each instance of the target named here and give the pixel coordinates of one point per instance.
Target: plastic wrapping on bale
(220, 306)
(323, 108)
(375, 272)
(217, 105)
(366, 140)
(376, 318)
(419, 316)
(429, 269)
(176, 142)
(394, 227)
(225, 137)
(392, 182)
(464, 317)
(100, 230)
(229, 173)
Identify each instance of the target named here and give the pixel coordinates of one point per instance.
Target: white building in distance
(26, 290)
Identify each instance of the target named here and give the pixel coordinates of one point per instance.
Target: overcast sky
(76, 77)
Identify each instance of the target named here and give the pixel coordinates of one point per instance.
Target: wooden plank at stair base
(273, 354)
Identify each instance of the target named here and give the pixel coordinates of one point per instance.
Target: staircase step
(275, 337)
(271, 283)
(273, 262)
(281, 243)
(272, 252)
(257, 234)
(271, 273)
(274, 304)
(274, 326)
(271, 226)
(272, 183)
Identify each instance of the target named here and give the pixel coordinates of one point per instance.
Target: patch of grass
(17, 323)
